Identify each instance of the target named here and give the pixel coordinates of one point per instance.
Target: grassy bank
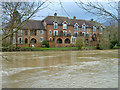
(38, 49)
(44, 49)
(49, 49)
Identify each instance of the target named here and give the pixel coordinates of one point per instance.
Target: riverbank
(46, 49)
(50, 49)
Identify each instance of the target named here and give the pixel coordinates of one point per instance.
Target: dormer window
(55, 25)
(76, 26)
(64, 25)
(94, 28)
(101, 28)
(83, 27)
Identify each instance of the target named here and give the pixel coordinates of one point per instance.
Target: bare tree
(16, 14)
(107, 9)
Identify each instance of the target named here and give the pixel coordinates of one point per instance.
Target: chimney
(91, 19)
(55, 14)
(74, 17)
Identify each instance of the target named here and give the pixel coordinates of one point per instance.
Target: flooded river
(60, 69)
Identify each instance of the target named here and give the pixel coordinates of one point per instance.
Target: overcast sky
(71, 9)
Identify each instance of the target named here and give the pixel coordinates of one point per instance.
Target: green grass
(116, 47)
(48, 49)
(45, 49)
(89, 47)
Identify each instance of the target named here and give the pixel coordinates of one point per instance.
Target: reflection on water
(61, 69)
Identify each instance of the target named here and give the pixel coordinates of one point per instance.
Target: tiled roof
(33, 24)
(50, 19)
(38, 25)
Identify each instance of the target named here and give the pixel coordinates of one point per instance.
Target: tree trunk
(11, 38)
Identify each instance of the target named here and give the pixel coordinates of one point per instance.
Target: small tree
(80, 42)
(104, 41)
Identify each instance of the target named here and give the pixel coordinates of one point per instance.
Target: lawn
(47, 49)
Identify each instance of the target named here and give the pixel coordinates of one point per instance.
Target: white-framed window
(19, 32)
(41, 31)
(33, 32)
(91, 34)
(75, 34)
(76, 27)
(94, 28)
(87, 34)
(83, 34)
(64, 25)
(101, 28)
(94, 35)
(55, 32)
(41, 39)
(13, 31)
(91, 39)
(86, 41)
(20, 40)
(13, 40)
(69, 32)
(65, 33)
(50, 39)
(26, 32)
(50, 31)
(83, 27)
(73, 40)
(55, 25)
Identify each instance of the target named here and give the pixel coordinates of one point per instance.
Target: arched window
(50, 39)
(33, 41)
(59, 40)
(20, 41)
(26, 41)
(64, 25)
(67, 40)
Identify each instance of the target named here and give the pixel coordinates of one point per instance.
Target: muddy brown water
(60, 69)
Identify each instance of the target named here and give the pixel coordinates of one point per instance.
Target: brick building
(59, 31)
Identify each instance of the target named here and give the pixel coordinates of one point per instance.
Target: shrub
(46, 43)
(80, 42)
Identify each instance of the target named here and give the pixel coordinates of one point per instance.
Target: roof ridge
(34, 20)
(58, 16)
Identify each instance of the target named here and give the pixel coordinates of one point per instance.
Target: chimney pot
(74, 17)
(55, 14)
(92, 19)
